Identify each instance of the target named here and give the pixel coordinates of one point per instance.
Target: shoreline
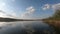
(54, 23)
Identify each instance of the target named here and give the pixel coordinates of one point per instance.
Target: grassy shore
(54, 23)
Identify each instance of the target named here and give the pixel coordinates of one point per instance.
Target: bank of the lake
(54, 23)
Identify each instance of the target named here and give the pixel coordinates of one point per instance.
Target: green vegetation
(55, 16)
(54, 21)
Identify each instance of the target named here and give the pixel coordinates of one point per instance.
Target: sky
(30, 9)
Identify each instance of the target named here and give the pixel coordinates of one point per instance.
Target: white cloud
(7, 15)
(56, 6)
(46, 6)
(30, 10)
(12, 13)
(13, 0)
(2, 5)
(2, 14)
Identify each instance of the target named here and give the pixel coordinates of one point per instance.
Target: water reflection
(26, 27)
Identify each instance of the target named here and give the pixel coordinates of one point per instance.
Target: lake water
(26, 27)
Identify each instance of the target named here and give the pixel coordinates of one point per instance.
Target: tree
(56, 15)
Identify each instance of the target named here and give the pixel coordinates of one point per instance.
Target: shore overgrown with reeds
(54, 20)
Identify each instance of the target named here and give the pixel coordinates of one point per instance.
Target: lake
(26, 27)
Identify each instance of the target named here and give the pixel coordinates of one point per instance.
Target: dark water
(26, 27)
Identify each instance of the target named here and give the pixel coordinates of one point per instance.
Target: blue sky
(29, 8)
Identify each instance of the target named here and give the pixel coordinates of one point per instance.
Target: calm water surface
(26, 27)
